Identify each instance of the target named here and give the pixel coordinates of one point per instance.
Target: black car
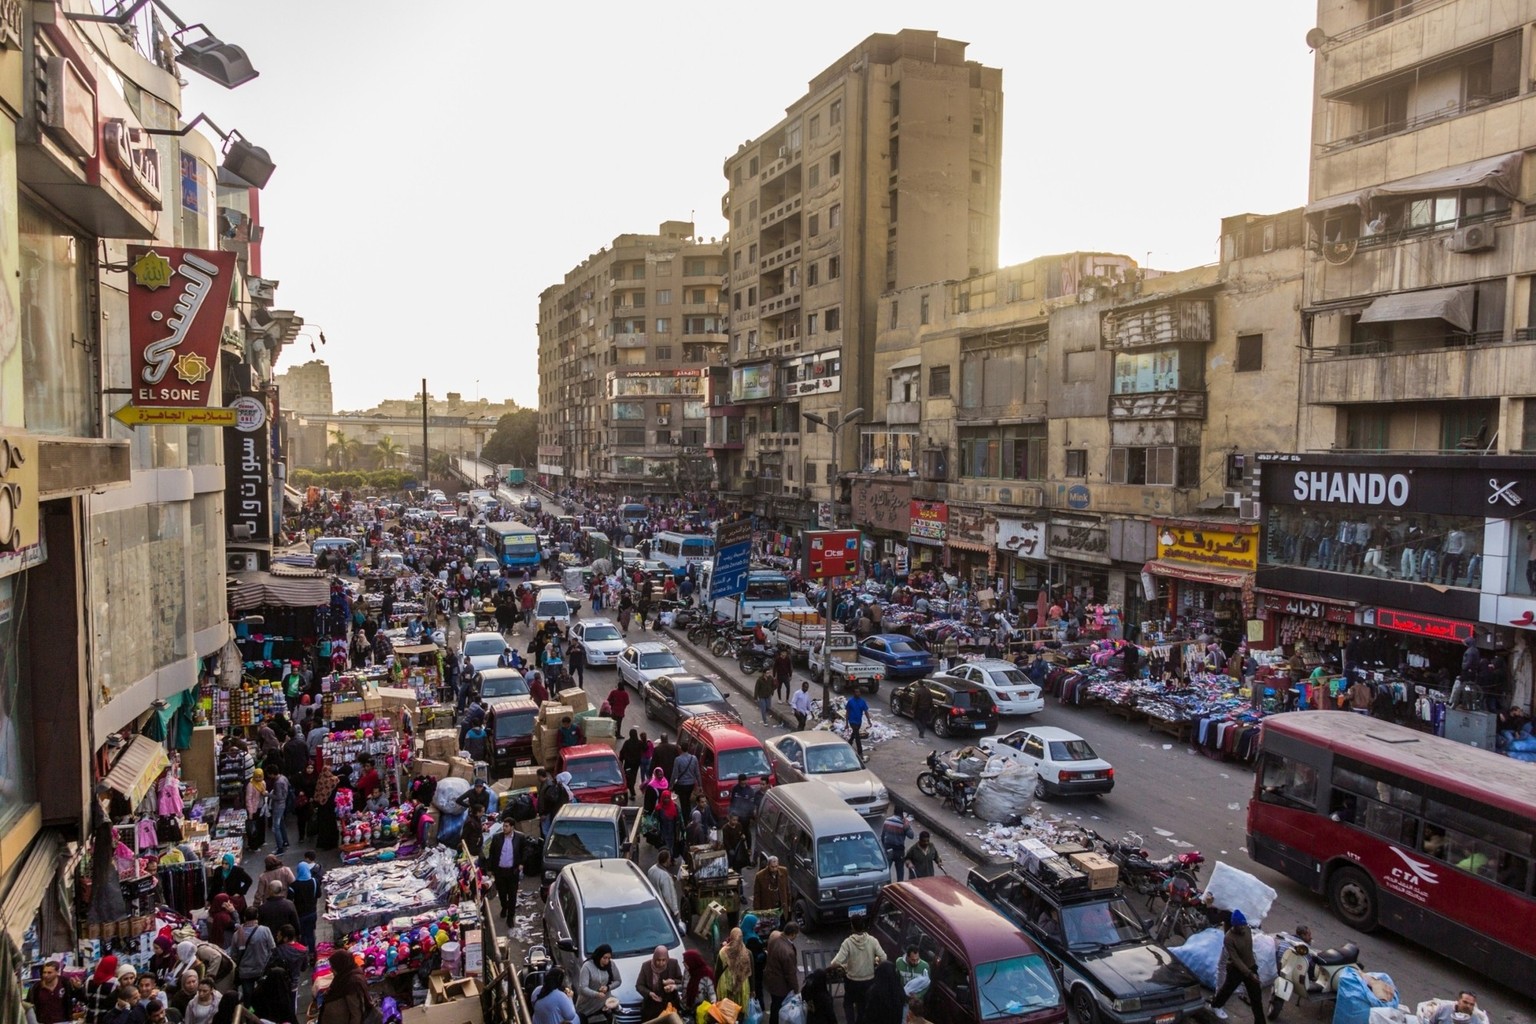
(959, 709)
(1110, 968)
(672, 699)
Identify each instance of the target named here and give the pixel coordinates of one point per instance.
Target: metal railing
(1407, 124)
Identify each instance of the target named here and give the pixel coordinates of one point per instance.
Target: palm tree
(441, 464)
(388, 452)
(343, 449)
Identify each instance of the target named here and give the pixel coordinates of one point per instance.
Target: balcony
(1424, 375)
(627, 310)
(903, 413)
(703, 309)
(1442, 113)
(777, 213)
(779, 257)
(789, 298)
(1415, 258)
(790, 158)
(1166, 323)
(1158, 405)
(629, 339)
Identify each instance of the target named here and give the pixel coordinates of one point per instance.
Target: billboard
(830, 554)
(177, 301)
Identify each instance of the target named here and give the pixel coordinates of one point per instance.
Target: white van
(553, 603)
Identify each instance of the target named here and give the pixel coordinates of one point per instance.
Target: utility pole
(834, 423)
(426, 456)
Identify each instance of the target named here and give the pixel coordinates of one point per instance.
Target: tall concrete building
(625, 342)
(306, 388)
(883, 175)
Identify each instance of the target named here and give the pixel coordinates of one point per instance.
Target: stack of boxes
(1068, 867)
(546, 733)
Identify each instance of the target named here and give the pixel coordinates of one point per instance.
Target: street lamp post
(834, 424)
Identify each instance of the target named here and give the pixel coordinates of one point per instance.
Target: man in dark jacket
(295, 756)
(781, 969)
(1242, 969)
(664, 756)
(277, 909)
(503, 857)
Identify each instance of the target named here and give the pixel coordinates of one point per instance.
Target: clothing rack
(184, 887)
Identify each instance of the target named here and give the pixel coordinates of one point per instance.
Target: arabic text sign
(177, 299)
(1197, 545)
(247, 485)
(929, 520)
(175, 415)
(733, 557)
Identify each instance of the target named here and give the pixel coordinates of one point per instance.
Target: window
(752, 295)
(663, 325)
(893, 312)
(810, 323)
(815, 126)
(1077, 462)
(57, 333)
(835, 215)
(975, 177)
(976, 126)
(895, 153)
(1236, 463)
(834, 319)
(813, 176)
(810, 472)
(752, 167)
(752, 253)
(752, 210)
(834, 267)
(834, 165)
(813, 274)
(896, 99)
(639, 272)
(736, 300)
(1250, 353)
(698, 296)
(664, 297)
(1287, 782)
(1006, 453)
(663, 352)
(835, 113)
(938, 381)
(922, 311)
(891, 199)
(814, 225)
(736, 260)
(1159, 466)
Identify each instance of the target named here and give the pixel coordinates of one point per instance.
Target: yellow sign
(174, 416)
(1196, 544)
(152, 270)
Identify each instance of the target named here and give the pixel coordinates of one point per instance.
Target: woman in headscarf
(101, 990)
(551, 1003)
(733, 971)
(327, 831)
(186, 987)
(701, 981)
(596, 983)
(186, 960)
(162, 963)
(202, 1008)
(667, 817)
(656, 785)
(886, 999)
(256, 811)
(232, 880)
(346, 1001)
(221, 920)
(305, 893)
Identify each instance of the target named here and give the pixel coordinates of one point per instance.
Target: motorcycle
(1304, 977)
(1153, 878)
(753, 659)
(955, 789)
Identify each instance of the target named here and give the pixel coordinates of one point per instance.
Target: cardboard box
(706, 922)
(575, 698)
(524, 777)
(1031, 854)
(461, 768)
(599, 729)
(459, 1011)
(474, 952)
(1101, 871)
(553, 711)
(429, 766)
(440, 744)
(399, 697)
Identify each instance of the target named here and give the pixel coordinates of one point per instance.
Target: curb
(919, 812)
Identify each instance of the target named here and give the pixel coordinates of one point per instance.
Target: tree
(442, 465)
(515, 439)
(388, 452)
(343, 450)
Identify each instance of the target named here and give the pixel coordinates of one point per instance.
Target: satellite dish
(1316, 38)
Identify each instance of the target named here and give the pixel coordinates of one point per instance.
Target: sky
(439, 165)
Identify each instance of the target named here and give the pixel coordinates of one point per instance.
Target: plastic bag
(754, 1014)
(792, 1011)
(1201, 953)
(1005, 794)
(1356, 1000)
(448, 791)
(1235, 889)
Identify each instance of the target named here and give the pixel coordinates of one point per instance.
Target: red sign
(1431, 626)
(831, 553)
(930, 520)
(177, 299)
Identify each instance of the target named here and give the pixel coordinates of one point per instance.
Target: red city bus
(1432, 839)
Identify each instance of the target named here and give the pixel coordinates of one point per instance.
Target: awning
(412, 650)
(969, 545)
(137, 768)
(1499, 173)
(907, 363)
(1453, 305)
(1341, 602)
(24, 899)
(926, 542)
(255, 589)
(1356, 198)
(1233, 578)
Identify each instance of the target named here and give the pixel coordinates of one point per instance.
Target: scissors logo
(1504, 492)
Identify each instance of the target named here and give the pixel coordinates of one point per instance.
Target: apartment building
(1066, 420)
(625, 343)
(1419, 321)
(883, 175)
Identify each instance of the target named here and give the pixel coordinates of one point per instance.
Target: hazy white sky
(438, 165)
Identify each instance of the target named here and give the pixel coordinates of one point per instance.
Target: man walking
(576, 661)
(504, 867)
(1242, 969)
(855, 710)
(783, 672)
(800, 704)
(685, 779)
(763, 690)
(922, 708)
(922, 857)
(894, 833)
(781, 968)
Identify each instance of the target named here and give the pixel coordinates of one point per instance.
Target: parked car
(959, 709)
(727, 751)
(642, 662)
(532, 503)
(608, 902)
(502, 682)
(483, 649)
(596, 775)
(900, 655)
(600, 640)
(816, 755)
(1113, 971)
(1064, 762)
(1011, 690)
(672, 699)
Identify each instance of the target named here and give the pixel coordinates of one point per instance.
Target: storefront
(971, 544)
(882, 508)
(1080, 560)
(927, 531)
(1022, 556)
(1203, 577)
(1290, 619)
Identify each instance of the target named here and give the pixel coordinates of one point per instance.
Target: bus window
(1288, 782)
(1513, 872)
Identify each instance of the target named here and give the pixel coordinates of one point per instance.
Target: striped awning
(24, 898)
(137, 768)
(250, 590)
(968, 545)
(1234, 578)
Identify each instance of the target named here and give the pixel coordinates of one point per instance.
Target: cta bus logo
(1413, 878)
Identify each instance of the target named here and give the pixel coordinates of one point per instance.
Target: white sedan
(600, 640)
(1064, 763)
(484, 649)
(644, 662)
(1011, 690)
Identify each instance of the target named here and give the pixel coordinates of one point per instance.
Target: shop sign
(825, 517)
(1085, 543)
(247, 486)
(1079, 496)
(1433, 627)
(1480, 486)
(831, 554)
(1275, 604)
(10, 24)
(1227, 547)
(177, 299)
(551, 451)
(132, 151)
(903, 559)
(20, 540)
(929, 520)
(749, 383)
(817, 373)
(970, 524)
(70, 114)
(883, 504)
(1023, 539)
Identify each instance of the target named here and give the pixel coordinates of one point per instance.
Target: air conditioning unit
(242, 561)
(1473, 238)
(783, 152)
(1248, 509)
(1231, 499)
(662, 421)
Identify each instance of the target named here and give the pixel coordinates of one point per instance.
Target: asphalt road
(1175, 798)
